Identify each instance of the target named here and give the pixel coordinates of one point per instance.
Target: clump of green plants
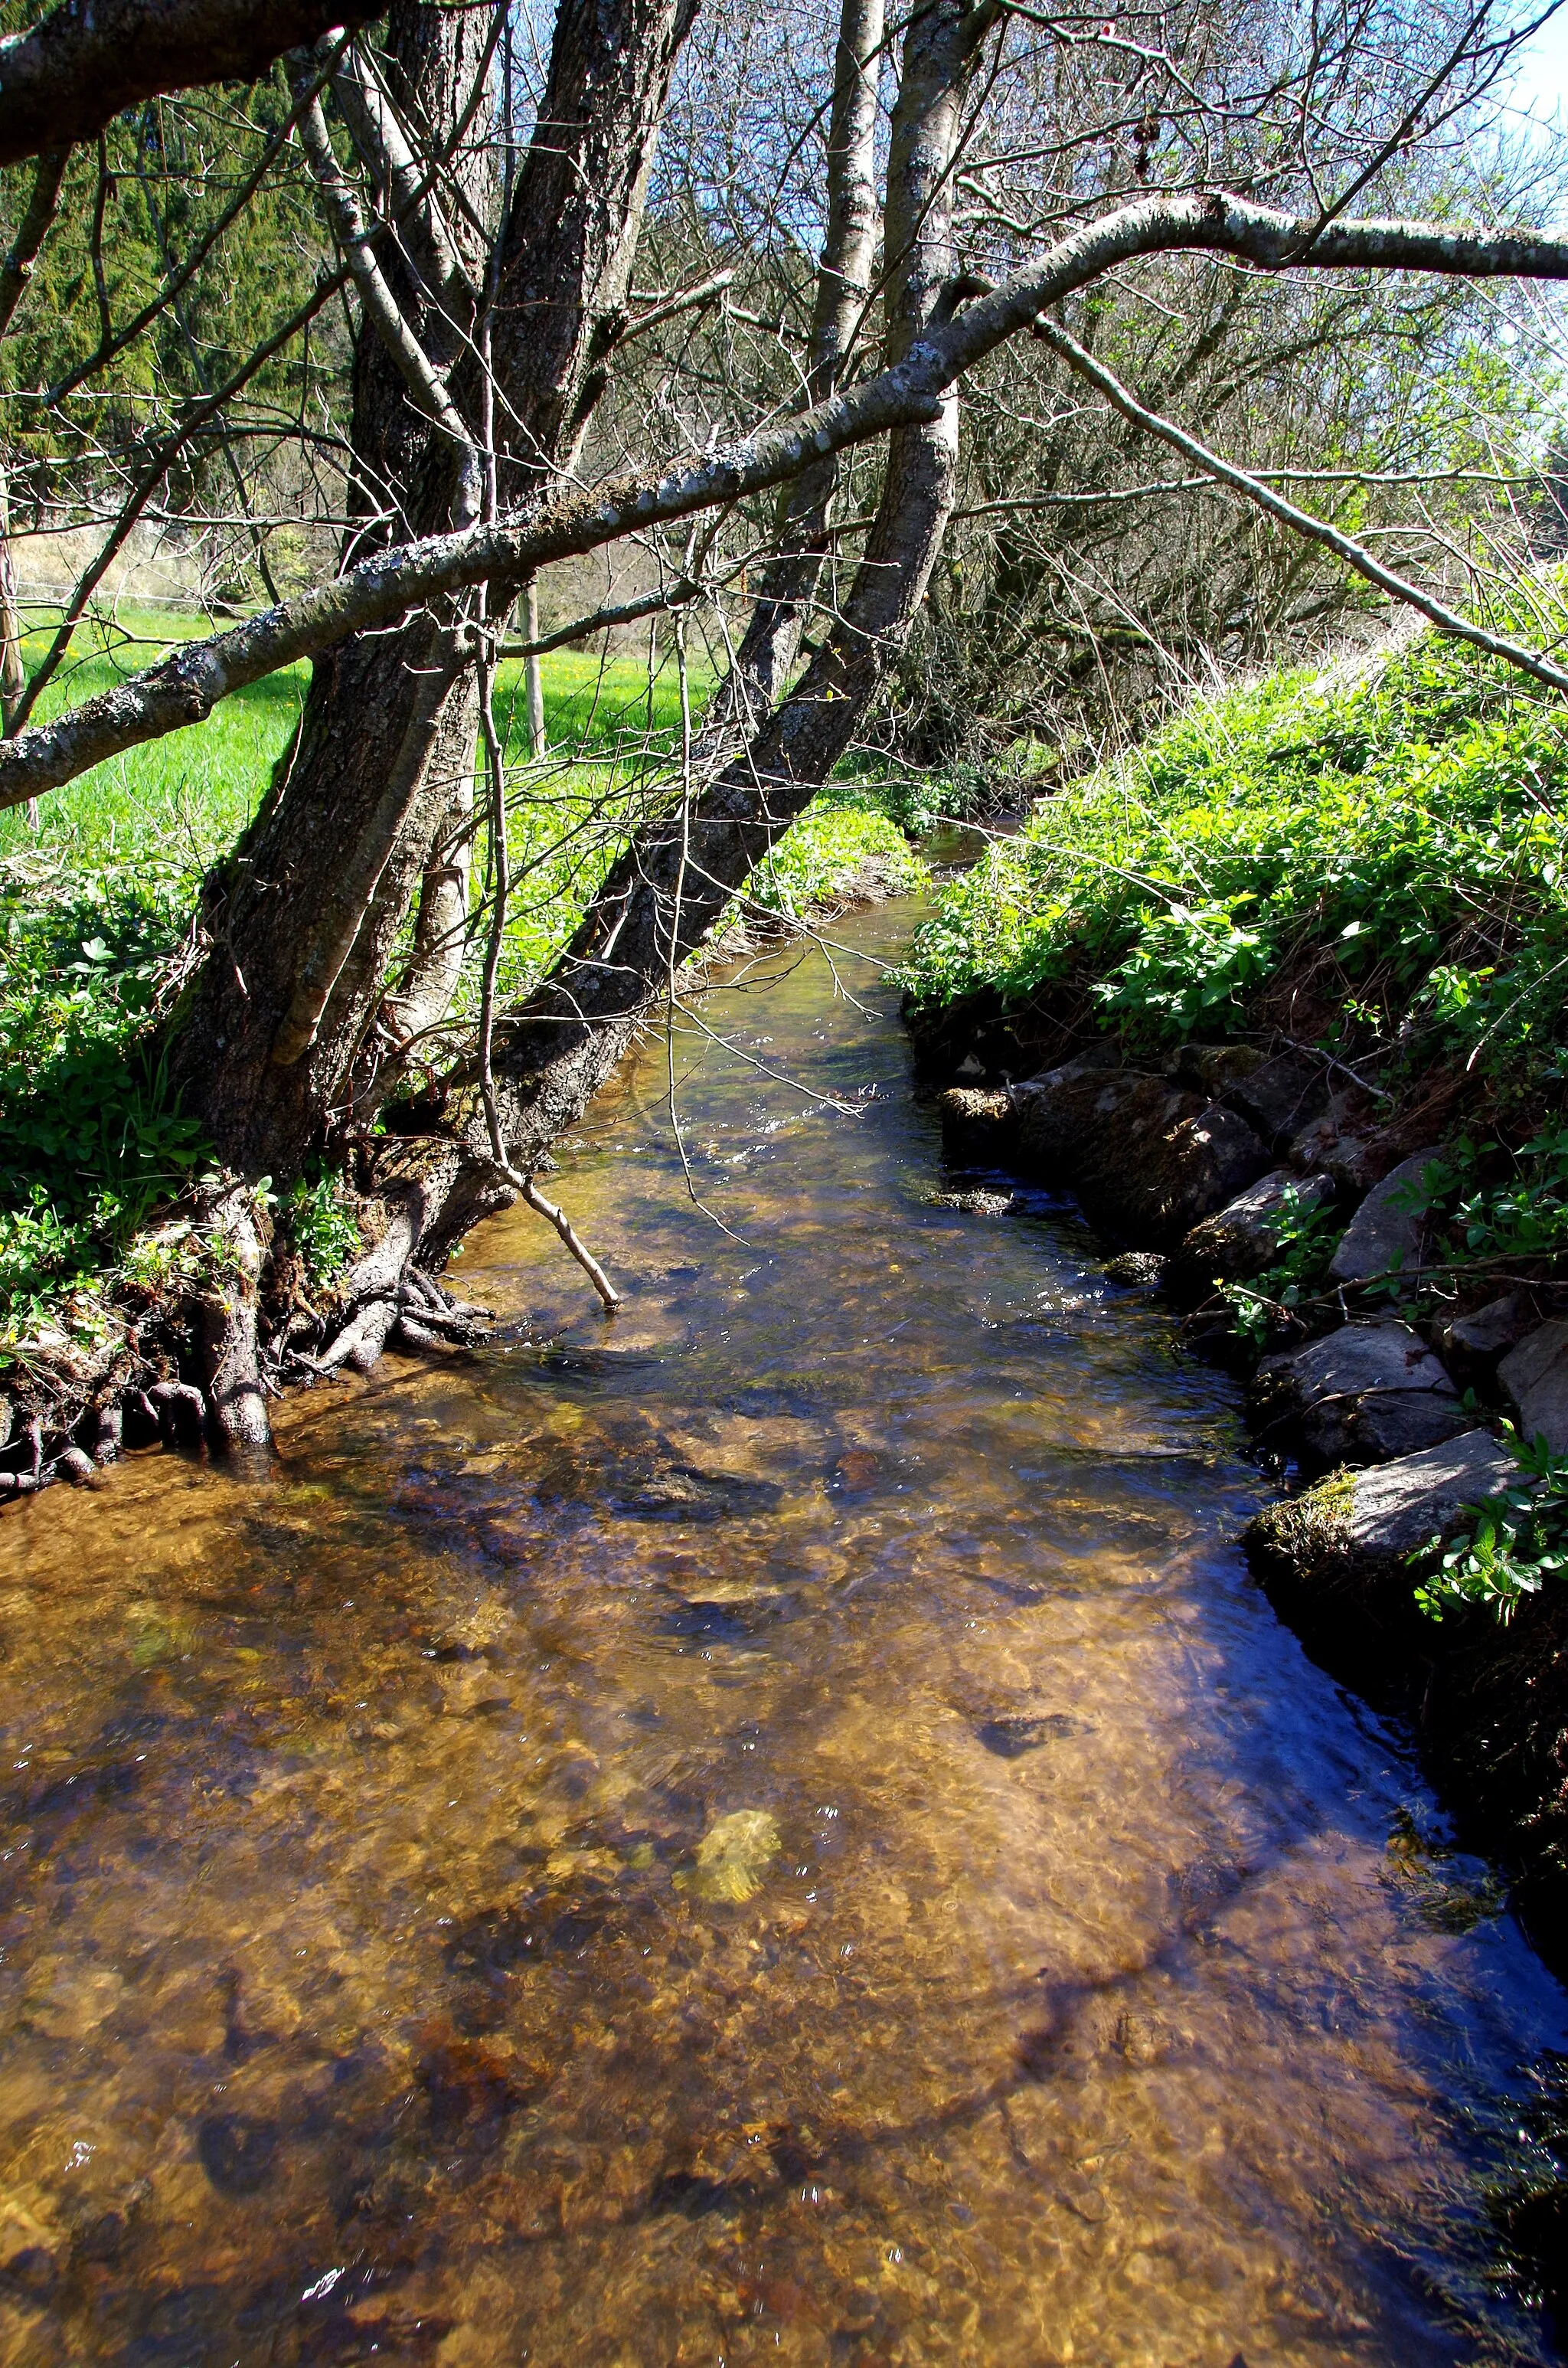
(822, 854)
(1305, 1231)
(1400, 834)
(322, 1225)
(1512, 1543)
(91, 1135)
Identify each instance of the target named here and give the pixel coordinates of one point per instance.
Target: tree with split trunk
(783, 415)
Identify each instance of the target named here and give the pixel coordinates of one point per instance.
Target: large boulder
(1241, 1238)
(1535, 1376)
(1385, 1235)
(1363, 1395)
(1146, 1158)
(1351, 1537)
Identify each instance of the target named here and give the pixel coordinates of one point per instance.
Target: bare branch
(1354, 555)
(348, 227)
(186, 686)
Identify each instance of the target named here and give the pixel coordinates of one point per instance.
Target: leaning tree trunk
(663, 897)
(291, 1029)
(390, 713)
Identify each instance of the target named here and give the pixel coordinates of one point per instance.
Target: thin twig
(522, 1184)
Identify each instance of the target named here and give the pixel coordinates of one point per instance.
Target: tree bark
(661, 900)
(286, 1042)
(70, 74)
(13, 676)
(771, 642)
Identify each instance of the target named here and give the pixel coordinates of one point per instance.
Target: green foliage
(1404, 821)
(90, 1137)
(174, 166)
(1305, 1233)
(1521, 1212)
(322, 1226)
(1512, 1543)
(821, 857)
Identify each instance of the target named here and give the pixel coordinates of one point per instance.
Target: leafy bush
(1406, 823)
(323, 1227)
(820, 856)
(1514, 1541)
(91, 1138)
(1305, 1233)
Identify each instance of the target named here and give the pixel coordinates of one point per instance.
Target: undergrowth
(1508, 1544)
(843, 833)
(91, 1138)
(1397, 840)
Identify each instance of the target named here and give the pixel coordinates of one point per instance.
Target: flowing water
(778, 1827)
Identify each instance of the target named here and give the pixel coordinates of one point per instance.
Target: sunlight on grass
(185, 798)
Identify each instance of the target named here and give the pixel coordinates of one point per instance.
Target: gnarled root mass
(190, 1353)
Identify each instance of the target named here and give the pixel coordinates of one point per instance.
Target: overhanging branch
(184, 687)
(72, 73)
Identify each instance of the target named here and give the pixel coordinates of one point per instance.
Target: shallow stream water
(778, 1827)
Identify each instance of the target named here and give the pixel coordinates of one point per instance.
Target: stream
(775, 1828)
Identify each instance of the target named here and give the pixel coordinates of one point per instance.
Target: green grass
(185, 798)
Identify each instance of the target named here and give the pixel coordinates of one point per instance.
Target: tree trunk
(380, 717)
(281, 1049)
(663, 897)
(13, 678)
(771, 642)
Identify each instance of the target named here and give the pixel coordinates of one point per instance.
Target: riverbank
(1278, 1001)
(130, 1267)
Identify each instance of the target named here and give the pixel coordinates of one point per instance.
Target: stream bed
(775, 1828)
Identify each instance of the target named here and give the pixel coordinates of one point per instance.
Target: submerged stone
(734, 1854)
(1011, 1736)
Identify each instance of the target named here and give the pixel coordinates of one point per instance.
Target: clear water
(776, 1828)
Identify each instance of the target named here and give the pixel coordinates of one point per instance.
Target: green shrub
(91, 1137)
(1408, 825)
(821, 855)
(1510, 1545)
(322, 1226)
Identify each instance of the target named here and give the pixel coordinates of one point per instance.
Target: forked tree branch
(184, 688)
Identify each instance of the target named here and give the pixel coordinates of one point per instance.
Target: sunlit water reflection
(778, 1829)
